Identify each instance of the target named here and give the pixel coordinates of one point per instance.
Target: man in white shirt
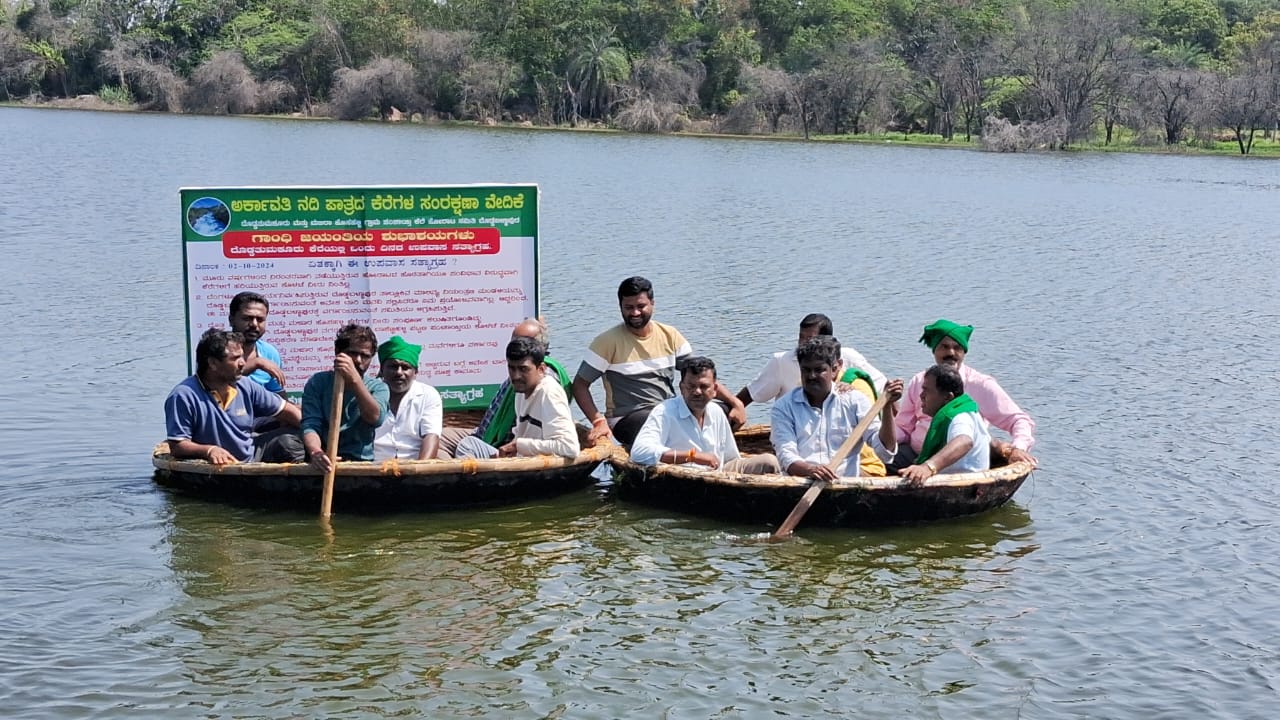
(782, 373)
(689, 429)
(544, 423)
(415, 414)
(958, 439)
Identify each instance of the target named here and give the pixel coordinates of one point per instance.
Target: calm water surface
(1128, 302)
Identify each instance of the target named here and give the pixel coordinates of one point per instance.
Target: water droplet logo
(208, 216)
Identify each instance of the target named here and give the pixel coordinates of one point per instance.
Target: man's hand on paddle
(346, 367)
(318, 460)
(893, 389)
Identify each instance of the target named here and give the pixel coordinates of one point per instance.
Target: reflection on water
(432, 613)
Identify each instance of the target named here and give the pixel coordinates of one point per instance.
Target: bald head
(531, 328)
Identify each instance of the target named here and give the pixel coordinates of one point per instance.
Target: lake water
(1129, 303)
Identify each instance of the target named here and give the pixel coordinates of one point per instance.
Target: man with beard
(544, 423)
(690, 429)
(211, 414)
(957, 440)
(364, 402)
(411, 430)
(248, 316)
(950, 344)
(637, 360)
(811, 422)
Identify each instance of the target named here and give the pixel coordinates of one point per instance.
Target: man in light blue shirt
(811, 422)
(691, 430)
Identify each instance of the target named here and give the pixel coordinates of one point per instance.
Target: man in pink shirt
(950, 343)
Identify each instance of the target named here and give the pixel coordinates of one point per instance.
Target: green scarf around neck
(936, 438)
(853, 373)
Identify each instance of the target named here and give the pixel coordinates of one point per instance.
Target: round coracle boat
(847, 502)
(397, 485)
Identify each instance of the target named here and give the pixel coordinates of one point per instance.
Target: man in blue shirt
(811, 422)
(248, 316)
(211, 414)
(364, 403)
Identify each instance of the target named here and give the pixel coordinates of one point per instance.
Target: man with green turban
(411, 430)
(949, 342)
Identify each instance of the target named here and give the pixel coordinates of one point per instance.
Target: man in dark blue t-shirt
(211, 414)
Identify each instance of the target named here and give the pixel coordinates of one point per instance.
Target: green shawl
(936, 438)
(851, 374)
(503, 422)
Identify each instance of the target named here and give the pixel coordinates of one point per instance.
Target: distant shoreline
(1262, 148)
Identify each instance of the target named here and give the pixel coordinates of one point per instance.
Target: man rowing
(211, 414)
(690, 429)
(957, 440)
(811, 422)
(544, 422)
(415, 414)
(248, 316)
(950, 345)
(637, 362)
(364, 401)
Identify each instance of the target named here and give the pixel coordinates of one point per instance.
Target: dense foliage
(1017, 73)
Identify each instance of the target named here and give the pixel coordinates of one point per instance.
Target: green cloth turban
(934, 333)
(397, 349)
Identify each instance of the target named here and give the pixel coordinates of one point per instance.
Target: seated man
(950, 344)
(957, 440)
(499, 419)
(781, 374)
(544, 423)
(364, 402)
(636, 361)
(248, 316)
(811, 422)
(690, 429)
(211, 414)
(411, 430)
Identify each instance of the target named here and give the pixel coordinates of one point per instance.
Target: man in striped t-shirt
(637, 360)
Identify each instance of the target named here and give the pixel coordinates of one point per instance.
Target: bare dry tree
(222, 85)
(381, 85)
(486, 86)
(440, 56)
(153, 83)
(657, 96)
(1065, 55)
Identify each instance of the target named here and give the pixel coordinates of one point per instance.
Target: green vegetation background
(1003, 74)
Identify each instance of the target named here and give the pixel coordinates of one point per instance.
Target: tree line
(1014, 73)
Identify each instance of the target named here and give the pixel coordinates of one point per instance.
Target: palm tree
(594, 72)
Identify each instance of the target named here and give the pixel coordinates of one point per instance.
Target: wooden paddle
(335, 418)
(855, 440)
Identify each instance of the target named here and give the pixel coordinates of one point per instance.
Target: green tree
(594, 72)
